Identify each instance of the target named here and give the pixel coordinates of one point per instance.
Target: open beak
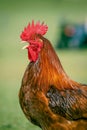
(26, 46)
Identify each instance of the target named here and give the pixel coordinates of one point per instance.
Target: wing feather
(69, 103)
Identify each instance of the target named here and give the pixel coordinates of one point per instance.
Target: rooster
(48, 97)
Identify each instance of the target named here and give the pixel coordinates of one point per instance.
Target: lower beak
(25, 47)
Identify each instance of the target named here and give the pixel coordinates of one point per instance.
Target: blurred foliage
(72, 35)
(14, 15)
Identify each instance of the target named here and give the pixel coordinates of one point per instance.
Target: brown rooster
(48, 97)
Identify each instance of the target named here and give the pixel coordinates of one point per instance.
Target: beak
(22, 41)
(25, 47)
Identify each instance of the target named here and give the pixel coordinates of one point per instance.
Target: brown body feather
(49, 98)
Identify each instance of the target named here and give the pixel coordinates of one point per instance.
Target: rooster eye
(40, 40)
(33, 37)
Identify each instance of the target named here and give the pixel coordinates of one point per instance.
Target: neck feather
(48, 70)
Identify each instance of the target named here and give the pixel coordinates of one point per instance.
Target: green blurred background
(14, 15)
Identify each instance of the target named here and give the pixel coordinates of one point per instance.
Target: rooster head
(31, 35)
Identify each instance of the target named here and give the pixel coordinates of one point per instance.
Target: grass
(14, 15)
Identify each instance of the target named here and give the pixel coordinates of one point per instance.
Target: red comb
(33, 29)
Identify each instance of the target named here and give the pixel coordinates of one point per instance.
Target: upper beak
(23, 41)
